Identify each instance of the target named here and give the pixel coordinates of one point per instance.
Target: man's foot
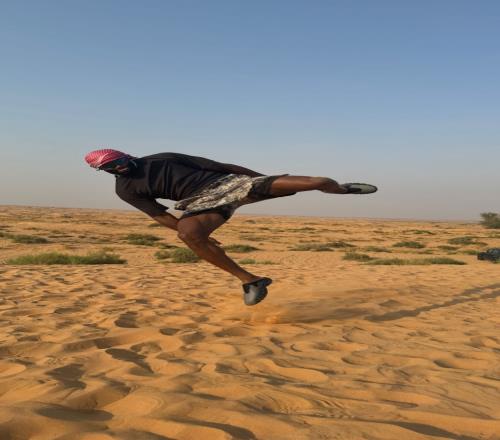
(359, 188)
(255, 291)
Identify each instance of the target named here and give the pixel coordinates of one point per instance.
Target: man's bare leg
(195, 232)
(289, 184)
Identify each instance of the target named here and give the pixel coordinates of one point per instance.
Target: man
(208, 192)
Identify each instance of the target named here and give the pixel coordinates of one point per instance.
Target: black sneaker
(256, 291)
(359, 188)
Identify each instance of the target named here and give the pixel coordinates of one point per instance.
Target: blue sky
(401, 94)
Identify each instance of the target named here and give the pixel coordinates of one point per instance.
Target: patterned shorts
(227, 194)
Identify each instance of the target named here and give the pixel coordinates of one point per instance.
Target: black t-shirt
(172, 176)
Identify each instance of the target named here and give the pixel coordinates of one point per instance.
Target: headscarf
(98, 158)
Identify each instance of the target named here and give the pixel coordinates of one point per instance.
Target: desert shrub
(59, 258)
(490, 220)
(247, 261)
(31, 239)
(422, 231)
(409, 244)
(162, 255)
(253, 238)
(446, 247)
(467, 239)
(184, 255)
(321, 247)
(339, 244)
(417, 262)
(354, 256)
(376, 249)
(316, 247)
(470, 252)
(167, 246)
(142, 239)
(240, 248)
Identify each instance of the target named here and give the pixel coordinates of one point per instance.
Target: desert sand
(339, 349)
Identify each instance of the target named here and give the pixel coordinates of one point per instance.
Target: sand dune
(158, 350)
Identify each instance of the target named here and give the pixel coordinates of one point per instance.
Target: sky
(401, 94)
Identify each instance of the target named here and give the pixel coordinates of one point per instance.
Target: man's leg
(195, 232)
(288, 184)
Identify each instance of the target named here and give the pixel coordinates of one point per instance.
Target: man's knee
(191, 238)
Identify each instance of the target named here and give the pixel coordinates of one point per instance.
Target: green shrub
(416, 262)
(490, 220)
(322, 247)
(470, 252)
(31, 239)
(59, 258)
(409, 244)
(468, 239)
(354, 256)
(184, 255)
(376, 249)
(142, 239)
(446, 247)
(316, 247)
(240, 248)
(162, 255)
(339, 244)
(422, 231)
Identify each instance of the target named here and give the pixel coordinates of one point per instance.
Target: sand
(159, 350)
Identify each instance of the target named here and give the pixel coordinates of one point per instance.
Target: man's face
(117, 166)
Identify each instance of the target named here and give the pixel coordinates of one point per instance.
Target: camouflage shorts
(227, 194)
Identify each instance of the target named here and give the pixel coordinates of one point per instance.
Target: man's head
(112, 161)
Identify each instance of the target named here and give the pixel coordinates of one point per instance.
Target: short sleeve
(149, 206)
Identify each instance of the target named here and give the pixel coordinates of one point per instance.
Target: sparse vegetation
(25, 239)
(240, 248)
(155, 225)
(446, 247)
(470, 252)
(59, 258)
(142, 239)
(322, 247)
(465, 240)
(184, 255)
(316, 247)
(354, 256)
(409, 244)
(376, 249)
(422, 231)
(252, 261)
(417, 262)
(339, 244)
(162, 255)
(490, 220)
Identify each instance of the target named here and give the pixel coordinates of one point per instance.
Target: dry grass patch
(240, 248)
(142, 239)
(415, 262)
(59, 258)
(354, 256)
(409, 244)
